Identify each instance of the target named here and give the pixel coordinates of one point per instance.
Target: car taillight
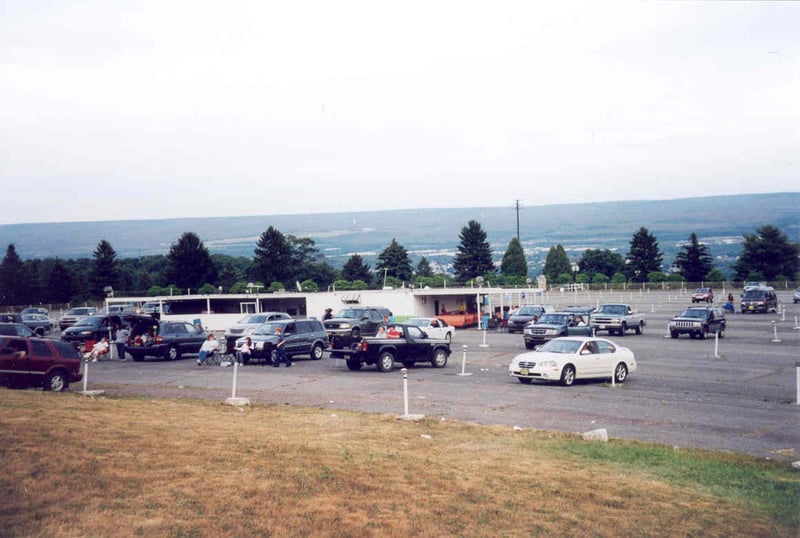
(158, 339)
(363, 346)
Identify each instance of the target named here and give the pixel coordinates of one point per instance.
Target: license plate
(751, 307)
(602, 326)
(523, 371)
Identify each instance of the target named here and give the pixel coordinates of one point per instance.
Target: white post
(797, 367)
(405, 391)
(483, 342)
(613, 381)
(716, 345)
(464, 362)
(775, 332)
(85, 374)
(783, 313)
(235, 366)
(796, 326)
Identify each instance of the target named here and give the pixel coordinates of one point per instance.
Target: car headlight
(548, 364)
(85, 333)
(551, 332)
(344, 325)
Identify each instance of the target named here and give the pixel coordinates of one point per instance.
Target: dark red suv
(38, 362)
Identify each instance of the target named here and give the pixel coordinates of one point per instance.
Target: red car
(38, 362)
(703, 295)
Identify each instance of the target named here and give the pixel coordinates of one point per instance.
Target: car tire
(703, 334)
(439, 359)
(620, 373)
(137, 357)
(639, 328)
(353, 364)
(173, 353)
(623, 330)
(56, 382)
(385, 361)
(722, 331)
(568, 375)
(317, 351)
(525, 380)
(673, 334)
(448, 337)
(355, 334)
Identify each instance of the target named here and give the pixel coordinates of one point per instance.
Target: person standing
(209, 346)
(121, 340)
(280, 353)
(328, 314)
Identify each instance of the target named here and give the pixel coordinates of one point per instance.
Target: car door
(41, 360)
(293, 344)
(606, 359)
(417, 346)
(14, 361)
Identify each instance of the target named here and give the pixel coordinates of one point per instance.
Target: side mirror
(585, 352)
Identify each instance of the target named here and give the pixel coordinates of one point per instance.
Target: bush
(618, 278)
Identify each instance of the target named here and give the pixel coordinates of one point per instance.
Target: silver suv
(248, 325)
(73, 315)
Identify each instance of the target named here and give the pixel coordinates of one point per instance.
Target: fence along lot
(681, 394)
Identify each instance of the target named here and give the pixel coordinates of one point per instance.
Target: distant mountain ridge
(718, 221)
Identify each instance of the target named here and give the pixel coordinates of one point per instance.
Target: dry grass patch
(74, 466)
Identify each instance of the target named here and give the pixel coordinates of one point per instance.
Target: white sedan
(570, 358)
(434, 327)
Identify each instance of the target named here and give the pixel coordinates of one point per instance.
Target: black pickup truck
(396, 342)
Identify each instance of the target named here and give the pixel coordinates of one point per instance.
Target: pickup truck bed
(407, 344)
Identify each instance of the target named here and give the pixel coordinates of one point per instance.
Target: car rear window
(65, 349)
(41, 349)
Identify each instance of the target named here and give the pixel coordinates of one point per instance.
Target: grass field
(77, 466)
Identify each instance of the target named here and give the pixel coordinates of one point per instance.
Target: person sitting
(209, 346)
(381, 332)
(99, 349)
(579, 322)
(393, 332)
(244, 352)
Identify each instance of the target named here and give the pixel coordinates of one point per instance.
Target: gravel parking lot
(682, 394)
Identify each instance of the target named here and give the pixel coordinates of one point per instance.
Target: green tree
(394, 262)
(13, 279)
(644, 256)
(189, 264)
(227, 276)
(474, 256)
(556, 264)
(514, 262)
(767, 252)
(273, 258)
(59, 283)
(693, 260)
(716, 275)
(602, 261)
(356, 269)
(104, 271)
(423, 269)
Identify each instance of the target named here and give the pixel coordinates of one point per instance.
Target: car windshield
(693, 314)
(560, 346)
(350, 313)
(417, 322)
(268, 328)
(254, 318)
(554, 319)
(613, 309)
(527, 311)
(754, 294)
(701, 290)
(91, 321)
(79, 312)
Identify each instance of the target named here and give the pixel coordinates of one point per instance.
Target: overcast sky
(156, 109)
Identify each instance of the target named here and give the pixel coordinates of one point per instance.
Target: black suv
(698, 322)
(350, 324)
(94, 328)
(761, 299)
(302, 336)
(168, 339)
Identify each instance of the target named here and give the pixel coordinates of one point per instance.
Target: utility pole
(517, 208)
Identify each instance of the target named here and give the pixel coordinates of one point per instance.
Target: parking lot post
(797, 368)
(405, 391)
(464, 362)
(716, 344)
(775, 332)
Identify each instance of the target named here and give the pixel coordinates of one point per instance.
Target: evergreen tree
(693, 260)
(227, 276)
(59, 284)
(644, 256)
(394, 262)
(514, 262)
(557, 264)
(600, 261)
(767, 252)
(273, 258)
(104, 272)
(13, 279)
(189, 264)
(356, 269)
(424, 269)
(474, 256)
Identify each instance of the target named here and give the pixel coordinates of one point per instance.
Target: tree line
(282, 261)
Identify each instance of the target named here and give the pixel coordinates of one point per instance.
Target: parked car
(570, 358)
(523, 315)
(302, 337)
(41, 362)
(73, 315)
(698, 322)
(703, 295)
(553, 325)
(351, 323)
(396, 342)
(434, 327)
(10, 317)
(91, 329)
(248, 326)
(762, 299)
(169, 339)
(154, 307)
(15, 329)
(40, 324)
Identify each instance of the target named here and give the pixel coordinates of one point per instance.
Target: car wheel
(439, 359)
(317, 351)
(355, 334)
(56, 382)
(525, 380)
(622, 330)
(722, 331)
(448, 337)
(673, 334)
(568, 375)
(385, 361)
(703, 334)
(639, 329)
(173, 353)
(620, 373)
(354, 364)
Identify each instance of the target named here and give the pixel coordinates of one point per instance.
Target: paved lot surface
(682, 395)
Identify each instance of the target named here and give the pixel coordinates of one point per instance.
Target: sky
(115, 110)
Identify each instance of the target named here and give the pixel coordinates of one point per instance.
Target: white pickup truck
(617, 318)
